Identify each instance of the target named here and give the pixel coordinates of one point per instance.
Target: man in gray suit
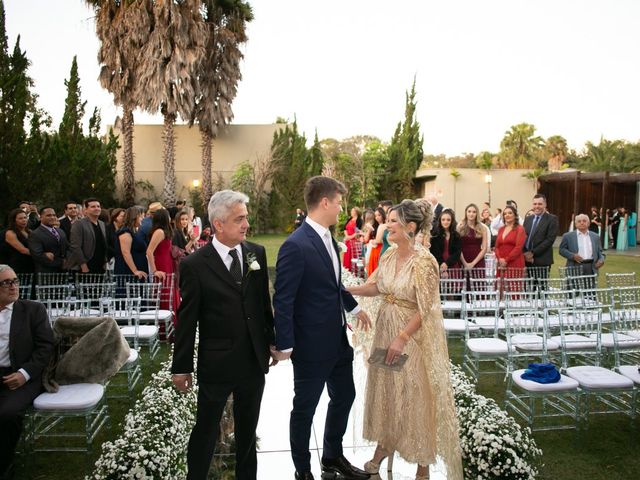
(582, 247)
(88, 242)
(48, 244)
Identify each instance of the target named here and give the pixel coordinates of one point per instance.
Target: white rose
(253, 266)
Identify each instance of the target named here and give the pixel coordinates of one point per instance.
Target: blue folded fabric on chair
(542, 373)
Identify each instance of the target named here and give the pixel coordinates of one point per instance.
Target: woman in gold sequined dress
(410, 411)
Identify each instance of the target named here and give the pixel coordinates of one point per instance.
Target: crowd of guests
(520, 245)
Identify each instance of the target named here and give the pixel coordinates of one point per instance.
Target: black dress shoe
(340, 468)
(304, 476)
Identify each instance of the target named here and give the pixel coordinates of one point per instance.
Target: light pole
(488, 180)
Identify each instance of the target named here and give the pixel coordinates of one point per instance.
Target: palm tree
(219, 74)
(122, 28)
(485, 161)
(534, 175)
(169, 64)
(455, 173)
(520, 147)
(556, 151)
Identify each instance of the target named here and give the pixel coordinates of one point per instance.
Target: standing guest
(116, 220)
(145, 226)
(509, 243)
(496, 223)
(375, 240)
(352, 233)
(131, 249)
(159, 257)
(446, 243)
(411, 411)
(622, 242)
(69, 218)
(299, 218)
(183, 236)
(436, 208)
(614, 223)
(541, 229)
(180, 205)
(474, 239)
(195, 221)
(485, 217)
(48, 244)
(595, 224)
(582, 247)
(88, 243)
(311, 329)
(26, 346)
(17, 241)
(382, 235)
(236, 332)
(34, 217)
(631, 228)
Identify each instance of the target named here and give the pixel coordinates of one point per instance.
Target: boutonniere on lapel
(342, 247)
(252, 262)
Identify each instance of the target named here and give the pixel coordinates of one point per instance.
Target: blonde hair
(464, 227)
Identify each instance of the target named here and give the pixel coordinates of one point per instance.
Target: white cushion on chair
(532, 343)
(634, 333)
(624, 341)
(575, 342)
(564, 384)
(630, 371)
(488, 346)
(151, 315)
(488, 323)
(78, 396)
(598, 378)
(457, 325)
(133, 356)
(452, 305)
(144, 331)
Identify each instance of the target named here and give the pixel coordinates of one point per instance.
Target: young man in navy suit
(309, 305)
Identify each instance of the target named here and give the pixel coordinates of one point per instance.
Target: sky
(342, 67)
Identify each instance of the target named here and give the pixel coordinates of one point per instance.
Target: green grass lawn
(608, 450)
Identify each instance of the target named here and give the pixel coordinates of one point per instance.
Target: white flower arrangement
(252, 261)
(493, 444)
(156, 432)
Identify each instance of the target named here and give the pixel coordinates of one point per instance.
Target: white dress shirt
(223, 251)
(5, 331)
(585, 249)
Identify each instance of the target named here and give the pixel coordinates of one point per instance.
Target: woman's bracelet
(404, 335)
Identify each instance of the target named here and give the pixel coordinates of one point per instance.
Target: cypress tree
(71, 126)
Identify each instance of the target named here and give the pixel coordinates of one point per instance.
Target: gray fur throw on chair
(98, 350)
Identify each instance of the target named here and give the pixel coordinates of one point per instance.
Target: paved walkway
(274, 456)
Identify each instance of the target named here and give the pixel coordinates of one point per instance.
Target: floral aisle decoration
(154, 431)
(493, 444)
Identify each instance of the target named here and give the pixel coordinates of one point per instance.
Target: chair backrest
(92, 278)
(585, 322)
(96, 291)
(123, 309)
(626, 297)
(523, 321)
(149, 294)
(53, 292)
(621, 279)
(517, 301)
(552, 283)
(64, 278)
(484, 284)
(557, 299)
(482, 303)
(451, 288)
(26, 285)
(570, 271)
(601, 298)
(519, 284)
(167, 292)
(582, 282)
(66, 308)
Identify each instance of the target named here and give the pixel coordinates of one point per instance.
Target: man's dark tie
(533, 229)
(236, 271)
(55, 233)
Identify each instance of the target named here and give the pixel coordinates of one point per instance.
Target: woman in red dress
(351, 234)
(473, 235)
(379, 218)
(509, 243)
(159, 256)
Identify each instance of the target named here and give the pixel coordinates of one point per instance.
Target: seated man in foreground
(26, 345)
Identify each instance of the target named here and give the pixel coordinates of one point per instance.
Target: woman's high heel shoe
(373, 467)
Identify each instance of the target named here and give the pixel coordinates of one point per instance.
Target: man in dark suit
(582, 247)
(26, 345)
(309, 304)
(225, 293)
(69, 218)
(541, 229)
(88, 242)
(437, 210)
(48, 244)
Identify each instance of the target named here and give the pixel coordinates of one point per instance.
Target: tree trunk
(128, 178)
(169, 160)
(207, 189)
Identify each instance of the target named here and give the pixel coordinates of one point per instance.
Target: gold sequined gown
(412, 411)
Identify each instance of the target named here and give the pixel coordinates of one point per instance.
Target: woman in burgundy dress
(473, 235)
(159, 256)
(446, 244)
(509, 243)
(351, 236)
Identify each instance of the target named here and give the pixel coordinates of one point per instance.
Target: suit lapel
(318, 243)
(16, 326)
(245, 266)
(215, 263)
